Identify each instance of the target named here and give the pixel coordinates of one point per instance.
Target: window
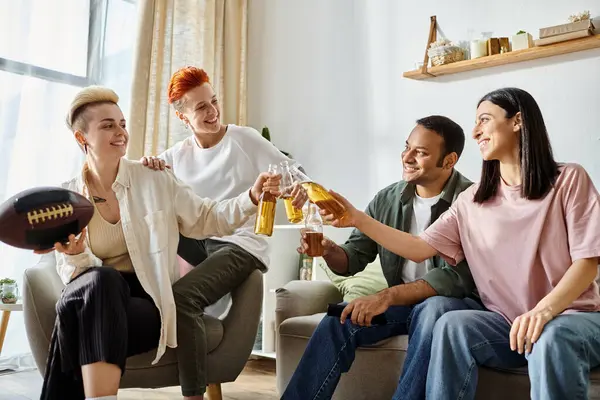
(48, 51)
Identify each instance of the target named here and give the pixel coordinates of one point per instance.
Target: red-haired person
(219, 162)
(118, 274)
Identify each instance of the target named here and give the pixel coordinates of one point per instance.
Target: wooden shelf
(512, 57)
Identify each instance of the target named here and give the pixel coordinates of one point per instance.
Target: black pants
(220, 267)
(102, 315)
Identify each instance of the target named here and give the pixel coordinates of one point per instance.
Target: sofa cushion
(303, 328)
(367, 282)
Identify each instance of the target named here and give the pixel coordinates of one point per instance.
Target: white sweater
(155, 206)
(224, 171)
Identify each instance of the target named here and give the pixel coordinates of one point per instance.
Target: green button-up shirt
(393, 206)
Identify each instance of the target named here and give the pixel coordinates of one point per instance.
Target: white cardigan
(155, 207)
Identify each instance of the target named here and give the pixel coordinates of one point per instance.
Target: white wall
(305, 82)
(326, 77)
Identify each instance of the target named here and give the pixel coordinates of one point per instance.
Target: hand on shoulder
(154, 163)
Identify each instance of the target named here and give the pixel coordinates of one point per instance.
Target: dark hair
(450, 131)
(538, 168)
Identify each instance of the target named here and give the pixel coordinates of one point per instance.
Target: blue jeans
(559, 363)
(331, 349)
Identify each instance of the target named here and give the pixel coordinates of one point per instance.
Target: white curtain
(48, 51)
(209, 34)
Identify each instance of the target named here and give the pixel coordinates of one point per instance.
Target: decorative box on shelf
(585, 25)
(565, 32)
(521, 41)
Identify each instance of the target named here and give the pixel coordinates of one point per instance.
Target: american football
(37, 218)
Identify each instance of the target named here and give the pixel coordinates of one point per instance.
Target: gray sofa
(230, 340)
(376, 369)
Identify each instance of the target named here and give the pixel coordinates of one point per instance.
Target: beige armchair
(230, 340)
(376, 369)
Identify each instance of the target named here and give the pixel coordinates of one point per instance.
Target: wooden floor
(257, 381)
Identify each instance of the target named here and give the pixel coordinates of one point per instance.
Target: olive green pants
(220, 267)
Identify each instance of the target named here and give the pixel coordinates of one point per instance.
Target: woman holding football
(121, 273)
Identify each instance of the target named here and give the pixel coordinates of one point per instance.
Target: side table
(6, 310)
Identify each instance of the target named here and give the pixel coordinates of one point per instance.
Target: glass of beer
(313, 231)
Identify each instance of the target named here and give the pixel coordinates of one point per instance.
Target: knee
(427, 313)
(435, 306)
(105, 276)
(557, 341)
(452, 325)
(331, 326)
(107, 282)
(185, 300)
(329, 323)
(97, 283)
(331, 333)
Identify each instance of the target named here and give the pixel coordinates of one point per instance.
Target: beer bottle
(318, 194)
(265, 217)
(294, 215)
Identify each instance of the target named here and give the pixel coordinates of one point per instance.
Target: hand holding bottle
(266, 182)
(272, 184)
(269, 188)
(316, 193)
(299, 196)
(293, 194)
(351, 217)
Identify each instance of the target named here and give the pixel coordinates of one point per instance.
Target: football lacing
(54, 212)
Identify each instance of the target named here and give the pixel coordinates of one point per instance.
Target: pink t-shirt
(518, 249)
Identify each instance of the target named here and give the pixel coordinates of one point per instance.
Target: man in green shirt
(418, 293)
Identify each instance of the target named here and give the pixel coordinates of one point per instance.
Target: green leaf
(266, 134)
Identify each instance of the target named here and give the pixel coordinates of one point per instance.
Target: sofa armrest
(42, 288)
(300, 298)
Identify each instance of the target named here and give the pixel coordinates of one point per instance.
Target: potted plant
(9, 298)
(8, 290)
(267, 135)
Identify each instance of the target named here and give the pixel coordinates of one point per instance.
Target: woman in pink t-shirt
(529, 231)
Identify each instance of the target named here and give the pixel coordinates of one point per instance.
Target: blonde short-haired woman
(118, 300)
